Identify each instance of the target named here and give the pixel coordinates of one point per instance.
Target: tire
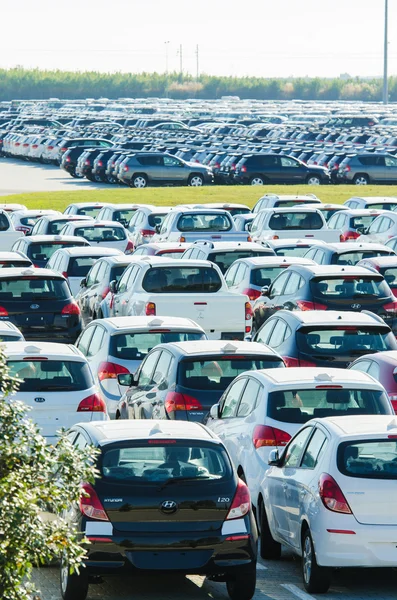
(361, 179)
(196, 180)
(242, 586)
(139, 181)
(76, 175)
(110, 179)
(257, 180)
(315, 579)
(268, 547)
(313, 180)
(74, 586)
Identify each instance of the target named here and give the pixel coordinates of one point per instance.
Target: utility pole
(385, 52)
(166, 68)
(180, 54)
(197, 62)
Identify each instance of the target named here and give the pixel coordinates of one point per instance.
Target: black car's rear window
(368, 459)
(350, 287)
(51, 375)
(295, 220)
(352, 258)
(299, 406)
(158, 460)
(346, 341)
(135, 346)
(43, 252)
(181, 279)
(33, 288)
(101, 233)
(218, 372)
(204, 222)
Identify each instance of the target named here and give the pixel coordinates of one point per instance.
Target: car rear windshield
(352, 258)
(79, 266)
(10, 338)
(218, 372)
(91, 211)
(265, 275)
(124, 216)
(100, 233)
(295, 221)
(344, 341)
(362, 222)
(181, 279)
(204, 222)
(40, 251)
(8, 264)
(135, 346)
(30, 221)
(156, 219)
(349, 287)
(299, 406)
(390, 276)
(383, 206)
(4, 223)
(163, 460)
(368, 459)
(51, 375)
(33, 288)
(292, 251)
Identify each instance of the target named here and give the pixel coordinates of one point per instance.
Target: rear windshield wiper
(172, 480)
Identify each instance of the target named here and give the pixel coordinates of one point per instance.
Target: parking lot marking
(297, 591)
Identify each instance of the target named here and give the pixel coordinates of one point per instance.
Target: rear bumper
(68, 336)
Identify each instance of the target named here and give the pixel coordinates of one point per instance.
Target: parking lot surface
(280, 580)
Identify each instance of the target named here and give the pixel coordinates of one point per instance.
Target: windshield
(299, 406)
(219, 372)
(43, 252)
(352, 258)
(368, 459)
(181, 279)
(135, 346)
(161, 461)
(51, 375)
(344, 341)
(101, 233)
(349, 287)
(32, 288)
(265, 275)
(204, 222)
(296, 220)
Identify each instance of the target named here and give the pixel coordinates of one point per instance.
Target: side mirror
(274, 458)
(83, 282)
(265, 290)
(113, 286)
(248, 226)
(127, 379)
(214, 411)
(158, 228)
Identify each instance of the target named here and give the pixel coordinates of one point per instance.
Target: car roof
(321, 206)
(92, 251)
(12, 255)
(299, 209)
(316, 376)
(361, 425)
(129, 205)
(311, 197)
(387, 356)
(330, 270)
(143, 322)
(41, 239)
(364, 212)
(292, 242)
(340, 247)
(373, 199)
(87, 204)
(210, 246)
(221, 347)
(101, 223)
(168, 245)
(382, 261)
(332, 318)
(7, 325)
(160, 261)
(105, 432)
(51, 349)
(27, 271)
(268, 261)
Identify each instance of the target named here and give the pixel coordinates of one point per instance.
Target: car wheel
(196, 180)
(361, 179)
(110, 179)
(242, 585)
(74, 586)
(257, 180)
(315, 579)
(138, 181)
(313, 180)
(268, 547)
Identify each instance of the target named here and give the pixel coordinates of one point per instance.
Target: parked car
(372, 202)
(386, 266)
(122, 213)
(40, 248)
(25, 220)
(277, 223)
(347, 253)
(52, 224)
(109, 234)
(327, 210)
(14, 259)
(382, 229)
(90, 209)
(182, 380)
(224, 254)
(118, 346)
(190, 225)
(261, 169)
(138, 466)
(142, 226)
(352, 222)
(382, 366)
(56, 383)
(363, 169)
(285, 201)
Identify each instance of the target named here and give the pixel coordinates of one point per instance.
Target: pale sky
(264, 38)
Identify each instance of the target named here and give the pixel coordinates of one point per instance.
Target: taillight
(67, 159)
(71, 309)
(393, 400)
(150, 309)
(63, 149)
(295, 362)
(265, 435)
(50, 147)
(390, 307)
(65, 274)
(99, 163)
(332, 496)
(125, 168)
(251, 293)
(93, 403)
(105, 292)
(182, 239)
(175, 401)
(241, 502)
(109, 370)
(147, 232)
(130, 248)
(87, 162)
(349, 235)
(347, 168)
(248, 311)
(306, 305)
(3, 312)
(275, 237)
(90, 505)
(243, 169)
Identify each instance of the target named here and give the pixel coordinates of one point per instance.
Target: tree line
(28, 84)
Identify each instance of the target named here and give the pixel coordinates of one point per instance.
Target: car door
(290, 293)
(224, 425)
(83, 298)
(174, 169)
(291, 170)
(140, 397)
(96, 352)
(122, 294)
(391, 168)
(272, 302)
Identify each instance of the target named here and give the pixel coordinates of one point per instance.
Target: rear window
(51, 375)
(225, 259)
(218, 373)
(362, 222)
(54, 227)
(296, 220)
(116, 272)
(29, 221)
(390, 276)
(352, 258)
(4, 223)
(368, 459)
(91, 211)
(45, 251)
(265, 275)
(124, 216)
(33, 288)
(99, 233)
(162, 460)
(171, 253)
(292, 251)
(344, 341)
(183, 279)
(5, 264)
(299, 406)
(135, 346)
(238, 211)
(79, 266)
(204, 222)
(349, 287)
(156, 219)
(383, 205)
(10, 338)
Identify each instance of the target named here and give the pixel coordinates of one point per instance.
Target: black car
(39, 302)
(167, 499)
(327, 288)
(334, 339)
(259, 169)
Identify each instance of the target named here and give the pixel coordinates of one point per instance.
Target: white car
(10, 208)
(25, 220)
(57, 384)
(122, 213)
(381, 229)
(278, 403)
(119, 345)
(372, 202)
(278, 223)
(90, 209)
(331, 497)
(74, 263)
(10, 332)
(145, 222)
(14, 259)
(275, 201)
(101, 233)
